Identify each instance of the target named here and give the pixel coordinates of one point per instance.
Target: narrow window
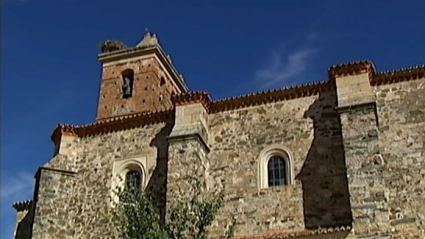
(162, 81)
(276, 170)
(132, 179)
(127, 85)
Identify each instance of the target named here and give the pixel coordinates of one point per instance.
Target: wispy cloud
(17, 187)
(284, 67)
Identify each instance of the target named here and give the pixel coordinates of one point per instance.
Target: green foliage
(189, 216)
(138, 217)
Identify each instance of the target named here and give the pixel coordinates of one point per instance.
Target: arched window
(127, 83)
(133, 179)
(129, 173)
(275, 167)
(276, 170)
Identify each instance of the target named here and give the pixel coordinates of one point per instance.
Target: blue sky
(50, 73)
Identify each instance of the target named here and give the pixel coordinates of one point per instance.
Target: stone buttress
(188, 148)
(359, 121)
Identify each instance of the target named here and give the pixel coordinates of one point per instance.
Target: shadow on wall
(323, 175)
(23, 229)
(157, 184)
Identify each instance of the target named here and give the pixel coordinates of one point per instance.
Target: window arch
(127, 83)
(275, 167)
(128, 173)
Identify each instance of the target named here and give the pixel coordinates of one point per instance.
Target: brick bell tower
(136, 79)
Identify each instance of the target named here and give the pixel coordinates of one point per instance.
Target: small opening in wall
(162, 81)
(127, 85)
(143, 101)
(146, 88)
(160, 98)
(147, 77)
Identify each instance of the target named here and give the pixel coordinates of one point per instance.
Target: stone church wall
(401, 110)
(80, 206)
(309, 128)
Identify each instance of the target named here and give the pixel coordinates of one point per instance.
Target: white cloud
(283, 68)
(17, 187)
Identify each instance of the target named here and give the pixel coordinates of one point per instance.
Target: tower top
(114, 50)
(136, 79)
(148, 40)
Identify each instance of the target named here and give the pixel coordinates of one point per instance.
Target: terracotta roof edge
(193, 97)
(270, 96)
(112, 124)
(398, 75)
(351, 68)
(23, 205)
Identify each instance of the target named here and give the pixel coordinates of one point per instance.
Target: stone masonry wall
(81, 207)
(401, 110)
(309, 128)
(55, 210)
(365, 171)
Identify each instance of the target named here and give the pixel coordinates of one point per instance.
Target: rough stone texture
(358, 158)
(54, 208)
(401, 110)
(368, 195)
(79, 206)
(354, 89)
(308, 127)
(152, 88)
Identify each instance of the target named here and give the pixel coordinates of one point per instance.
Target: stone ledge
(348, 108)
(192, 136)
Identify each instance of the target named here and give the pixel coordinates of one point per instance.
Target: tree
(189, 216)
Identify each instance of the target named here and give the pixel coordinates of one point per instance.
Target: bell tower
(136, 79)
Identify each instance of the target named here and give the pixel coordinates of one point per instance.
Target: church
(341, 158)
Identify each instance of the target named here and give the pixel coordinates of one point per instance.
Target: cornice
(351, 68)
(193, 98)
(271, 96)
(113, 124)
(394, 76)
(22, 206)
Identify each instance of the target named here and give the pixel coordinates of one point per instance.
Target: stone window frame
(265, 155)
(120, 170)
